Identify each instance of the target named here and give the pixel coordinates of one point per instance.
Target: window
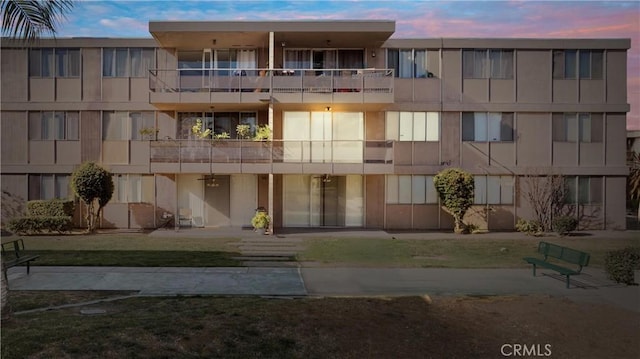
(493, 190)
(408, 63)
(127, 62)
(487, 126)
(583, 190)
(411, 190)
(58, 62)
(571, 64)
(323, 59)
(218, 122)
(54, 125)
(49, 186)
(572, 127)
(482, 64)
(123, 125)
(413, 126)
(133, 188)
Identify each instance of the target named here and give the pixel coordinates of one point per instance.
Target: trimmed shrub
(51, 208)
(455, 188)
(529, 227)
(621, 263)
(39, 224)
(564, 225)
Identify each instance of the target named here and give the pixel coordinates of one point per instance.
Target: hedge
(620, 264)
(39, 224)
(51, 208)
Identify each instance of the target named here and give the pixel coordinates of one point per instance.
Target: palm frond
(30, 19)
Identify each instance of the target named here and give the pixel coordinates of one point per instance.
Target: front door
(216, 200)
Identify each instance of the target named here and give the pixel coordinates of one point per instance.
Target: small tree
(94, 185)
(455, 188)
(545, 193)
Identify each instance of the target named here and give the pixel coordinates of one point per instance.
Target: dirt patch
(409, 327)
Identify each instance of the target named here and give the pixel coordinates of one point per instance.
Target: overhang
(255, 34)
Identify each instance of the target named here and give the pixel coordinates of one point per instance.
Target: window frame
(479, 64)
(40, 179)
(400, 189)
(572, 127)
(488, 187)
(394, 62)
(471, 120)
(48, 128)
(69, 69)
(395, 121)
(580, 190)
(131, 134)
(119, 67)
(567, 64)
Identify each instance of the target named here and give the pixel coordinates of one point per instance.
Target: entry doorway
(323, 201)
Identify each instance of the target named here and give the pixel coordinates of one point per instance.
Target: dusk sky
(414, 19)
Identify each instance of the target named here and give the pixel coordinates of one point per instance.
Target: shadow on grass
(136, 258)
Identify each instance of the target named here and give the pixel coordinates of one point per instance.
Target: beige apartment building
(360, 122)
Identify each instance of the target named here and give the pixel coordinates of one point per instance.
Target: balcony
(277, 156)
(359, 86)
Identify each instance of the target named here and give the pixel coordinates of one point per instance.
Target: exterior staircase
(269, 251)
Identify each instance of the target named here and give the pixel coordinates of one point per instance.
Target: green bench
(561, 254)
(13, 255)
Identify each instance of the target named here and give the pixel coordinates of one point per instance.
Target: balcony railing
(272, 81)
(247, 151)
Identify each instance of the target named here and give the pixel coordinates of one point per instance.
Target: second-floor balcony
(366, 86)
(273, 156)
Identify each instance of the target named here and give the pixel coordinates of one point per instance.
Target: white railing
(275, 81)
(247, 151)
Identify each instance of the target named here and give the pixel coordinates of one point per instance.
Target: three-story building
(357, 123)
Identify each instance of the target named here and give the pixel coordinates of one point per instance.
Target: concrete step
(270, 264)
(264, 258)
(271, 241)
(268, 254)
(271, 248)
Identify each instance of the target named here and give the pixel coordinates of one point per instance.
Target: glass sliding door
(323, 201)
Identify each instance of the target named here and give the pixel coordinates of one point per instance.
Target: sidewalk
(591, 286)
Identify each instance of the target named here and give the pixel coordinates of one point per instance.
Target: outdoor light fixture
(283, 44)
(328, 108)
(373, 53)
(214, 41)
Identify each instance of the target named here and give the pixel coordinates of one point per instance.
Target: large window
(127, 62)
(323, 59)
(573, 127)
(54, 125)
(584, 190)
(49, 186)
(323, 136)
(217, 122)
(493, 190)
(413, 126)
(123, 125)
(572, 64)
(483, 64)
(409, 63)
(410, 190)
(54, 62)
(133, 188)
(487, 126)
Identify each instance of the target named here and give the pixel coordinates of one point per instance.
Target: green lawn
(473, 251)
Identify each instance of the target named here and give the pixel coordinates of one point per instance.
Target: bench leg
(534, 270)
(567, 282)
(28, 268)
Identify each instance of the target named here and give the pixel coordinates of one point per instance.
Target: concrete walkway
(591, 286)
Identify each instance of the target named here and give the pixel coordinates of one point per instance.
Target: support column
(270, 192)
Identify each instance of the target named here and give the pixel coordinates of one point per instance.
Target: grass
(472, 252)
(137, 258)
(240, 327)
